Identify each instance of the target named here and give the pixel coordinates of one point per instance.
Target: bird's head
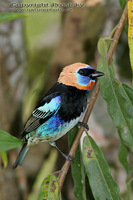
(79, 75)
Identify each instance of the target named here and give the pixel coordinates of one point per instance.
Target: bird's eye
(86, 72)
(82, 72)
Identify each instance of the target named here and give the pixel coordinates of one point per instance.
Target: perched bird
(60, 109)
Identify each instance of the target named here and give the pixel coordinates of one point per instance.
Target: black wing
(46, 108)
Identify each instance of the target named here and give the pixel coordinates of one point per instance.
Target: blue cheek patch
(83, 80)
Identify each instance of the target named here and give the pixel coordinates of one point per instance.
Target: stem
(94, 97)
(117, 33)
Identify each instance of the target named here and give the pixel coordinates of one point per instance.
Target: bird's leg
(83, 125)
(67, 157)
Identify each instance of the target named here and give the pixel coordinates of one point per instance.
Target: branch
(94, 97)
(117, 33)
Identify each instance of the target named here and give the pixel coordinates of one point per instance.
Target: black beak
(96, 74)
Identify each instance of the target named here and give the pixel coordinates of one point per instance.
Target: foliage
(91, 162)
(46, 168)
(77, 168)
(10, 16)
(130, 31)
(8, 142)
(123, 154)
(98, 172)
(119, 98)
(49, 188)
(123, 4)
(4, 158)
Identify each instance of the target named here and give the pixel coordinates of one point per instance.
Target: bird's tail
(21, 156)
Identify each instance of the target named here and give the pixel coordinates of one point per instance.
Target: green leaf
(122, 3)
(4, 158)
(10, 16)
(101, 182)
(77, 168)
(8, 142)
(130, 32)
(119, 99)
(49, 189)
(102, 47)
(123, 158)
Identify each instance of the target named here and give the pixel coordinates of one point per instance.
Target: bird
(60, 109)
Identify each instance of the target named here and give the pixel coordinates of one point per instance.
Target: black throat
(73, 101)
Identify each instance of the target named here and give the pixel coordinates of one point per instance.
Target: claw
(69, 158)
(83, 125)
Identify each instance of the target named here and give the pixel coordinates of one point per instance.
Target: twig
(117, 33)
(94, 97)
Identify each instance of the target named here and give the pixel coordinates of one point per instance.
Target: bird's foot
(83, 125)
(69, 158)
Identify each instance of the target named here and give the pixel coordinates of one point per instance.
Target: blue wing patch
(48, 108)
